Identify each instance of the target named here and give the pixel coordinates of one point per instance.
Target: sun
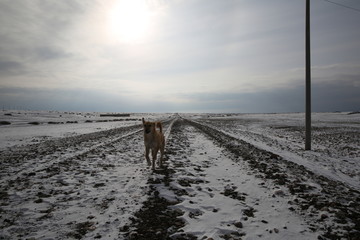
(129, 21)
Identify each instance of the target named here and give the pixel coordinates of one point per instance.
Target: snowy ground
(335, 140)
(24, 127)
(226, 177)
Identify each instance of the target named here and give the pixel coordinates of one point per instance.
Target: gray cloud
(34, 36)
(9, 65)
(326, 96)
(36, 30)
(48, 43)
(62, 99)
(48, 53)
(11, 68)
(340, 95)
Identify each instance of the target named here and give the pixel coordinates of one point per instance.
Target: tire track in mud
(86, 190)
(330, 206)
(190, 190)
(156, 219)
(204, 194)
(323, 160)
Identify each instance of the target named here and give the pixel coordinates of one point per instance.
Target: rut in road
(85, 190)
(328, 205)
(203, 193)
(17, 159)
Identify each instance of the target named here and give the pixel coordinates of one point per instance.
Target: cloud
(33, 33)
(341, 95)
(201, 56)
(50, 53)
(63, 99)
(326, 96)
(10, 68)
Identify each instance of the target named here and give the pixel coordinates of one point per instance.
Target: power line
(342, 5)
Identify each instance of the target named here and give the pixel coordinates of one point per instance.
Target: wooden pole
(308, 80)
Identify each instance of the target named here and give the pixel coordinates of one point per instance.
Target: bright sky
(177, 55)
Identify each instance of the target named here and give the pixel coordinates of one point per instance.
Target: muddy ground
(331, 208)
(97, 186)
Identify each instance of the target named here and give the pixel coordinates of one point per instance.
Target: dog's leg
(147, 151)
(162, 150)
(154, 153)
(161, 155)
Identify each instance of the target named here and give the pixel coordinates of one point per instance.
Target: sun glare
(129, 21)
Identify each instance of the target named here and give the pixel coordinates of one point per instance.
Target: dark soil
(156, 219)
(341, 201)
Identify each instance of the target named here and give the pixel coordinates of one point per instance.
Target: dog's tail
(159, 125)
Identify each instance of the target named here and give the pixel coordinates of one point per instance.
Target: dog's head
(148, 126)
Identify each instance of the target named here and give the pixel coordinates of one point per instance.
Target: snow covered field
(335, 140)
(227, 176)
(24, 127)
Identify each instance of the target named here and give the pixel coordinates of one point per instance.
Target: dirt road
(219, 187)
(214, 186)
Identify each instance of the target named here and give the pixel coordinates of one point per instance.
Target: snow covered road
(219, 187)
(215, 185)
(225, 200)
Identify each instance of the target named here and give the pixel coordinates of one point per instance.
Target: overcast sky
(177, 55)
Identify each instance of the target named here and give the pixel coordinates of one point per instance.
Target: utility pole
(308, 80)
